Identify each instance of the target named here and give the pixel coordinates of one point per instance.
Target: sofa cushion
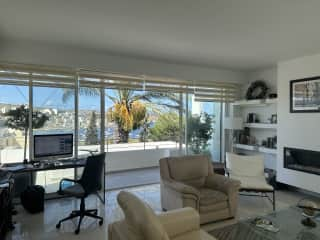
(140, 218)
(189, 169)
(209, 196)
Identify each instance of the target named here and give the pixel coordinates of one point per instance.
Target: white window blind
(203, 91)
(22, 74)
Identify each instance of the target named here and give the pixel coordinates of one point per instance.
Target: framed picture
(305, 95)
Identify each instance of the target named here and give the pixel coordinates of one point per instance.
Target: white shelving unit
(261, 125)
(255, 148)
(255, 103)
(267, 150)
(264, 108)
(245, 147)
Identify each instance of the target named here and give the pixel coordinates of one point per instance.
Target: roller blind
(22, 74)
(203, 91)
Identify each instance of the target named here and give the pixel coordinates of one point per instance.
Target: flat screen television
(53, 146)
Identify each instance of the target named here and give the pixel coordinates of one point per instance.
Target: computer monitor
(53, 146)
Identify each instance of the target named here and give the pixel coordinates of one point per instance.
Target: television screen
(53, 145)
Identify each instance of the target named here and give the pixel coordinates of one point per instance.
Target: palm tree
(129, 108)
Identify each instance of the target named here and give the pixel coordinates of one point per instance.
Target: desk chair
(89, 183)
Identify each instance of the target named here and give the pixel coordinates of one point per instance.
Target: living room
(216, 101)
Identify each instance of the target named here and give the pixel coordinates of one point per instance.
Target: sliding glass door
(14, 139)
(53, 113)
(204, 128)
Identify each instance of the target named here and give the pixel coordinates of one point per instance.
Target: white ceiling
(235, 34)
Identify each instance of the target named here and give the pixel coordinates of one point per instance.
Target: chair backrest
(141, 221)
(191, 170)
(91, 179)
(243, 165)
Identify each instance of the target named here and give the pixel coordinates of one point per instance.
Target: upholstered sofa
(141, 223)
(189, 181)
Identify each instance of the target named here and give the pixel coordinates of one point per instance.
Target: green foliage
(19, 119)
(129, 106)
(92, 130)
(199, 132)
(166, 127)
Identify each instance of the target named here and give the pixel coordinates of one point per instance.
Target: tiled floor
(42, 226)
(132, 178)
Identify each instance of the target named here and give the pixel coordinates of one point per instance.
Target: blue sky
(46, 97)
(52, 98)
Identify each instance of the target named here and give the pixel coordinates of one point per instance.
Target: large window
(204, 128)
(108, 112)
(140, 120)
(14, 129)
(89, 120)
(56, 107)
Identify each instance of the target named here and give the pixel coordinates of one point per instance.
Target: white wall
(299, 130)
(127, 160)
(46, 54)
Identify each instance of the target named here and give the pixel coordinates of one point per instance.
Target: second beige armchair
(190, 181)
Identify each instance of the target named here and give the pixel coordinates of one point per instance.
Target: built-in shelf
(245, 147)
(255, 103)
(255, 148)
(267, 150)
(261, 125)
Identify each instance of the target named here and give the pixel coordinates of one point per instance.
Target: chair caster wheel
(77, 231)
(100, 222)
(58, 225)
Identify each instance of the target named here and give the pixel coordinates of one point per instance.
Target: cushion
(140, 218)
(188, 167)
(243, 165)
(254, 183)
(74, 190)
(209, 197)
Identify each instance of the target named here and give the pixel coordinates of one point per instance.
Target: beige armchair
(141, 223)
(189, 181)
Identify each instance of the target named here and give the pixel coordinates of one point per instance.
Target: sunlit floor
(42, 226)
(132, 178)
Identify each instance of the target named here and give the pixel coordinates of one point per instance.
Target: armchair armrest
(65, 180)
(227, 186)
(177, 222)
(181, 187)
(223, 184)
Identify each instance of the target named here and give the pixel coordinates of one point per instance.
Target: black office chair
(89, 183)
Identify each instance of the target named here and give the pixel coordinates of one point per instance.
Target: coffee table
(288, 220)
